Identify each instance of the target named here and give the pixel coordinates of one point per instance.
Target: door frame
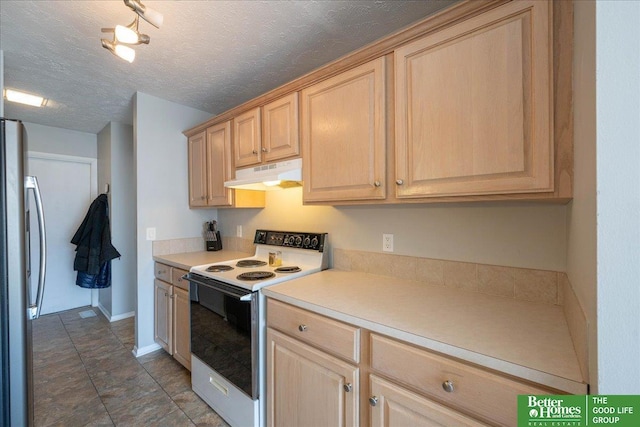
(93, 168)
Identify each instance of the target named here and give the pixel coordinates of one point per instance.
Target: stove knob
(307, 240)
(314, 242)
(298, 240)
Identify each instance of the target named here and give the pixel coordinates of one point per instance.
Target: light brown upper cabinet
(343, 136)
(210, 166)
(474, 106)
(247, 138)
(280, 130)
(470, 104)
(198, 170)
(219, 164)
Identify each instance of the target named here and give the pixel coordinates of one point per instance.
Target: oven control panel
(311, 241)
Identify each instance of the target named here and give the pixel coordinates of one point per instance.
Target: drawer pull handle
(448, 386)
(348, 387)
(302, 328)
(373, 400)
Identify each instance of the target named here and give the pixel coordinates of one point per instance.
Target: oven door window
(221, 335)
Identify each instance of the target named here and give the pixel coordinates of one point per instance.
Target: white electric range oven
(228, 320)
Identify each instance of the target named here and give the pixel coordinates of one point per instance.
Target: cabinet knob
(254, 152)
(377, 184)
(302, 328)
(373, 400)
(399, 182)
(166, 294)
(348, 387)
(448, 386)
(264, 150)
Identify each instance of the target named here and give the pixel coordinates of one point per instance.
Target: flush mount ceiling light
(129, 35)
(24, 98)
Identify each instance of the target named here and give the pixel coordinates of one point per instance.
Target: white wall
(116, 168)
(518, 235)
(581, 213)
(160, 151)
(122, 196)
(104, 177)
(618, 182)
(48, 139)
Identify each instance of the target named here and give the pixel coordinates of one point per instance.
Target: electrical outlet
(239, 231)
(151, 233)
(387, 242)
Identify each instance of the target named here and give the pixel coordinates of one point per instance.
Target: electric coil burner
(228, 321)
(256, 275)
(250, 263)
(219, 268)
(288, 269)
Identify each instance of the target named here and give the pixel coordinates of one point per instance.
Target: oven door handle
(232, 291)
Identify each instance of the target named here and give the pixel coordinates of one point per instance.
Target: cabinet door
(181, 328)
(247, 141)
(219, 164)
(474, 106)
(197, 170)
(343, 136)
(307, 387)
(162, 330)
(280, 129)
(394, 406)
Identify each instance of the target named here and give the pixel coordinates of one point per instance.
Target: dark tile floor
(86, 375)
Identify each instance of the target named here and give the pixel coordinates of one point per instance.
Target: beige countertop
(525, 339)
(189, 259)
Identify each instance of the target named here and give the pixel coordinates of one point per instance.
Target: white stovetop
(308, 262)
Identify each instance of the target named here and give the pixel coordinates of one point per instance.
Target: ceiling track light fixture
(123, 36)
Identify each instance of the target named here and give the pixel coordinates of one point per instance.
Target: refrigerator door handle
(31, 183)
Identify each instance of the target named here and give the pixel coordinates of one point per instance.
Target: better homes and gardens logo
(578, 411)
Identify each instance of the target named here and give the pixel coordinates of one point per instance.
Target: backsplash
(518, 283)
(196, 244)
(176, 246)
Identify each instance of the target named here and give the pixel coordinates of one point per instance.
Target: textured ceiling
(209, 55)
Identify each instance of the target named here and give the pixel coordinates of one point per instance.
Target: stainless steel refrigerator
(20, 300)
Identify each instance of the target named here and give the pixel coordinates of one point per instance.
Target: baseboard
(117, 317)
(122, 316)
(137, 352)
(104, 311)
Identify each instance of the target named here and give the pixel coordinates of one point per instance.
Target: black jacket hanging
(94, 250)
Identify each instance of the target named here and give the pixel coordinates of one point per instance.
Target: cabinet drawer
(177, 280)
(489, 395)
(330, 335)
(162, 272)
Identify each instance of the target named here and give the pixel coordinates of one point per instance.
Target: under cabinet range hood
(271, 176)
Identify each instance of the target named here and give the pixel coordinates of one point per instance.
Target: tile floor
(86, 375)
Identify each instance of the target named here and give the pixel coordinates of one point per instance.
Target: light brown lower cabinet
(162, 325)
(171, 309)
(356, 377)
(308, 387)
(395, 406)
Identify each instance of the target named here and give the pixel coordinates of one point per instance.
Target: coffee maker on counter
(211, 235)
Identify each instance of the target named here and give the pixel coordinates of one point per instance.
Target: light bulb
(125, 52)
(126, 35)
